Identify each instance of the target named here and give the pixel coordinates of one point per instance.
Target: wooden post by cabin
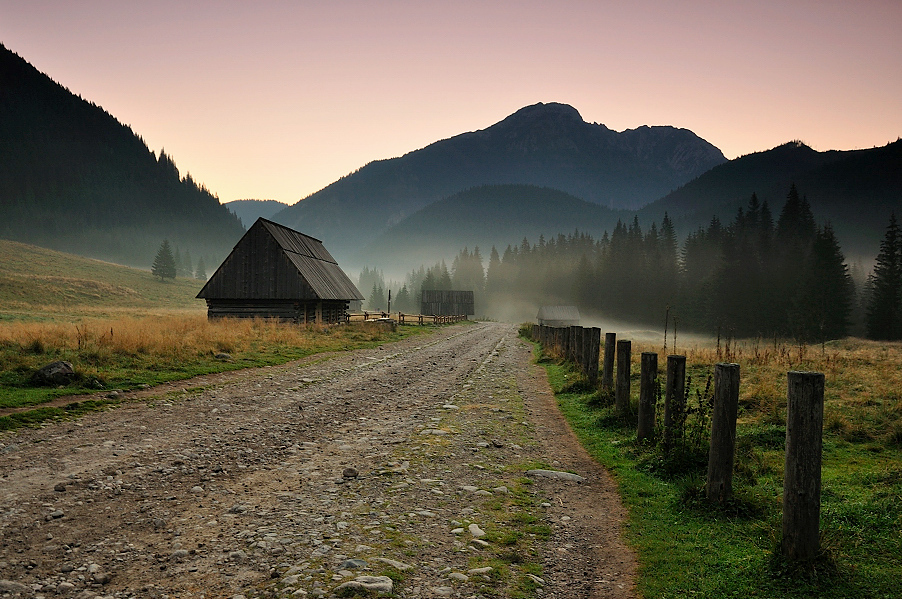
(674, 395)
(570, 335)
(802, 476)
(622, 394)
(573, 332)
(594, 336)
(719, 486)
(607, 373)
(648, 387)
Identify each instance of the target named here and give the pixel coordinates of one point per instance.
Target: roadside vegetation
(123, 328)
(688, 547)
(134, 352)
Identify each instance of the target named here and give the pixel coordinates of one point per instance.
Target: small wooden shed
(558, 316)
(277, 272)
(447, 303)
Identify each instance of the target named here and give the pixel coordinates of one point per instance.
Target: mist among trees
(755, 275)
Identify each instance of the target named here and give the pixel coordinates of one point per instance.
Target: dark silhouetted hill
(547, 145)
(75, 179)
(250, 210)
(485, 216)
(854, 190)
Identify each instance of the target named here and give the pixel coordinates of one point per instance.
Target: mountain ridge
(548, 145)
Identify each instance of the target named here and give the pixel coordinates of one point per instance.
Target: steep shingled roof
(272, 261)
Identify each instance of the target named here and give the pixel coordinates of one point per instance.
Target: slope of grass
(688, 547)
(37, 283)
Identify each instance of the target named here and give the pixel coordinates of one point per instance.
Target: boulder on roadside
(54, 374)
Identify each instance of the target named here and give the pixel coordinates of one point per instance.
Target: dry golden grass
(174, 335)
(123, 352)
(863, 390)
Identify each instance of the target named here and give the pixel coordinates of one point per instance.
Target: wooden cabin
(558, 316)
(277, 272)
(447, 303)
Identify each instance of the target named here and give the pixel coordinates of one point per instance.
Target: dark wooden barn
(277, 272)
(558, 316)
(447, 303)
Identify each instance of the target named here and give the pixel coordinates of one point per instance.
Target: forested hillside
(854, 191)
(73, 178)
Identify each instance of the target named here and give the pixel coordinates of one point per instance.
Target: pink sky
(275, 100)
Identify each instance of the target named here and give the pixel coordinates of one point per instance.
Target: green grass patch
(689, 548)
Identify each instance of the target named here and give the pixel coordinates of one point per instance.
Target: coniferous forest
(73, 178)
(758, 274)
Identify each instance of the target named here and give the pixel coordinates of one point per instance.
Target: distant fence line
(804, 421)
(407, 318)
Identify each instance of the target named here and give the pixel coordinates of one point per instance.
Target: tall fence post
(622, 395)
(674, 395)
(802, 476)
(575, 341)
(719, 486)
(594, 336)
(648, 386)
(607, 372)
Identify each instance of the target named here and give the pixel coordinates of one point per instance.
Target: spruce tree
(164, 262)
(201, 272)
(884, 307)
(824, 304)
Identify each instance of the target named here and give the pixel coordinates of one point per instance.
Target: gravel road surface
(432, 467)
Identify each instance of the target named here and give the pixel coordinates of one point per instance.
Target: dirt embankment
(401, 468)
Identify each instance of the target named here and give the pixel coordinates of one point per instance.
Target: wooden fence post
(647, 395)
(802, 476)
(674, 395)
(719, 486)
(594, 336)
(622, 395)
(607, 373)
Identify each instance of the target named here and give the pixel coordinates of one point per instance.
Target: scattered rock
(350, 473)
(476, 531)
(394, 564)
(54, 374)
(556, 474)
(13, 587)
(380, 584)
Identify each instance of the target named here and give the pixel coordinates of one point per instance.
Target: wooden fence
(804, 421)
(402, 318)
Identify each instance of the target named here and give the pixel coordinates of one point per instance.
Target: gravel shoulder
(401, 469)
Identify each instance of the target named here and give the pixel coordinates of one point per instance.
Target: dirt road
(401, 469)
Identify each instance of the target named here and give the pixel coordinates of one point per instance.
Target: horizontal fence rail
(402, 318)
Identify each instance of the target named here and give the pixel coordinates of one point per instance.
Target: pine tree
(188, 265)
(179, 265)
(201, 272)
(377, 298)
(403, 301)
(824, 304)
(164, 262)
(884, 308)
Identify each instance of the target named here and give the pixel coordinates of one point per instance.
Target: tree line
(752, 276)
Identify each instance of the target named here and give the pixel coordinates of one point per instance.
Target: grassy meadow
(689, 548)
(122, 328)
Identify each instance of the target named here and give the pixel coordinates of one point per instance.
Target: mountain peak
(543, 112)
